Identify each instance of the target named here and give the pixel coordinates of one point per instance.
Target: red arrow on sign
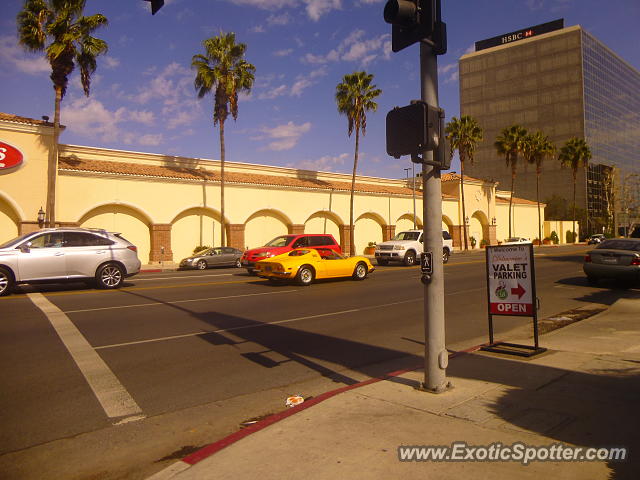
(518, 291)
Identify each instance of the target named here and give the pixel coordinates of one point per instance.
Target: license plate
(609, 260)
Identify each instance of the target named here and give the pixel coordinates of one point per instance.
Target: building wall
(166, 218)
(536, 83)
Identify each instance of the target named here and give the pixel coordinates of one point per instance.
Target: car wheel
(592, 280)
(360, 272)
(238, 264)
(201, 265)
(305, 276)
(6, 282)
(109, 276)
(382, 262)
(410, 258)
(445, 255)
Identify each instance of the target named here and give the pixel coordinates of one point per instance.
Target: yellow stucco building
(168, 205)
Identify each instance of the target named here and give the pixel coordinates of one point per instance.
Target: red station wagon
(286, 243)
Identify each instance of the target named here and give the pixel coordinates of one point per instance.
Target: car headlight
(188, 260)
(399, 247)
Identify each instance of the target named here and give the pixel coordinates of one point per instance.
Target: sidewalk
(585, 391)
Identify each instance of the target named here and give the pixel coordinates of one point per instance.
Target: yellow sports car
(307, 264)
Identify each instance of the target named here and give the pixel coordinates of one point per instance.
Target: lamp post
(41, 215)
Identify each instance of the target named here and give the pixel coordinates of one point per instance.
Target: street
(193, 354)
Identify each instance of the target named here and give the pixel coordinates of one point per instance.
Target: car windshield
(281, 241)
(14, 241)
(620, 244)
(407, 236)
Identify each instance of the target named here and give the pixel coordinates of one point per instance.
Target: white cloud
(89, 117)
(283, 137)
(279, 20)
(355, 48)
(314, 8)
(324, 164)
(283, 53)
(16, 58)
(301, 83)
(110, 62)
(449, 71)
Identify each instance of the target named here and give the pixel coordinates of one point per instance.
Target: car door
(84, 252)
(228, 256)
(42, 257)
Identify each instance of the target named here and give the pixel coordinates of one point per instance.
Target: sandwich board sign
(511, 291)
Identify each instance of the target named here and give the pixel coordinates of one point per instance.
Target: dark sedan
(617, 259)
(213, 257)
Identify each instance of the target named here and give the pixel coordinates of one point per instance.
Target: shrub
(570, 237)
(473, 242)
(554, 238)
(372, 244)
(199, 248)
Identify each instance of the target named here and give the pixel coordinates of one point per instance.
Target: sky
(143, 97)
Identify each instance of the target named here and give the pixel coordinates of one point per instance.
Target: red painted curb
(276, 417)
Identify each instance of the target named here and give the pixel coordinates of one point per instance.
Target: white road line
(111, 394)
(177, 301)
(246, 327)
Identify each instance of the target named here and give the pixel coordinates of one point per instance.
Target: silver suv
(55, 255)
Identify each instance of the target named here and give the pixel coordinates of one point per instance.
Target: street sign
(511, 290)
(510, 280)
(426, 263)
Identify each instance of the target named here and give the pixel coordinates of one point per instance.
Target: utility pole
(418, 130)
(436, 357)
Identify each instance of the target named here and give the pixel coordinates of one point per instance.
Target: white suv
(56, 255)
(406, 247)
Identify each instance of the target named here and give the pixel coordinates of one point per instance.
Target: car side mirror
(25, 247)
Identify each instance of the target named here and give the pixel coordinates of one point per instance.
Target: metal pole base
(423, 388)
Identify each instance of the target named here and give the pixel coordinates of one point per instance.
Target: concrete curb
(205, 452)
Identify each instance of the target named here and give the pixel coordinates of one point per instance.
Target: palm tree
(575, 154)
(223, 70)
(463, 135)
(537, 147)
(509, 144)
(355, 96)
(62, 25)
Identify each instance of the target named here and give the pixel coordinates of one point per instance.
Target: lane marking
(111, 394)
(177, 301)
(266, 324)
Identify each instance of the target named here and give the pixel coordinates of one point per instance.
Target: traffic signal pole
(436, 357)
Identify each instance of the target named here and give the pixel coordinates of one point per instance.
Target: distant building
(566, 83)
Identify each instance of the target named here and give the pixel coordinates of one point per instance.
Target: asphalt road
(178, 359)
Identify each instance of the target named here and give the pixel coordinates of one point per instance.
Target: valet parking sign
(511, 280)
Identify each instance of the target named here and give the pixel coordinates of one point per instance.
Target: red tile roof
(29, 121)
(180, 172)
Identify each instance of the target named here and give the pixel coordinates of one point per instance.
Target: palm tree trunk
(538, 200)
(353, 186)
(573, 232)
(222, 155)
(52, 171)
(513, 179)
(464, 210)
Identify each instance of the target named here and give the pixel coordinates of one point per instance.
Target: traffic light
(413, 21)
(417, 128)
(155, 5)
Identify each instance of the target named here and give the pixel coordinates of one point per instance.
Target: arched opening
(447, 224)
(479, 228)
(324, 222)
(264, 225)
(9, 221)
(132, 223)
(194, 227)
(367, 228)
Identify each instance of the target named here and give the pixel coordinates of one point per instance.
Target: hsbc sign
(10, 157)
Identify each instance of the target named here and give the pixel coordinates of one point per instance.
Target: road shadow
(596, 407)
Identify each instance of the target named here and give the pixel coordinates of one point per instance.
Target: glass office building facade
(566, 84)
